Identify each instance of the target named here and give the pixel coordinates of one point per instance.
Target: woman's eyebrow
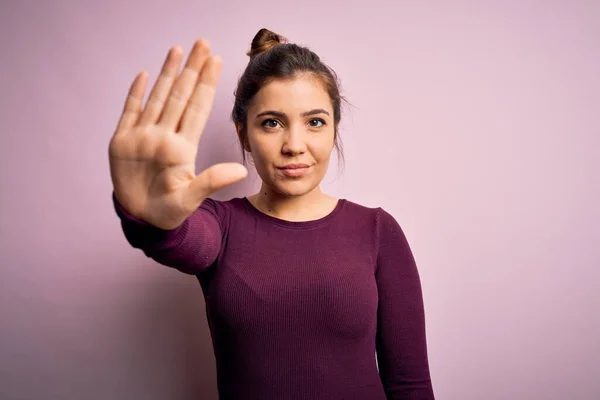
(282, 115)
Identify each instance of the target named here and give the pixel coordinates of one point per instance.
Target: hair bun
(264, 40)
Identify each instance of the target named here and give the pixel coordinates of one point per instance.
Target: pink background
(476, 126)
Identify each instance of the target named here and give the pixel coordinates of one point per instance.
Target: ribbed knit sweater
(300, 310)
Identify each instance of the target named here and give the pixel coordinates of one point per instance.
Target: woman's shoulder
(222, 207)
(366, 209)
(379, 215)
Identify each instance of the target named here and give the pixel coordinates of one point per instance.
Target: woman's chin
(294, 188)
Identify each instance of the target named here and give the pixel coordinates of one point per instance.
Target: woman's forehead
(299, 94)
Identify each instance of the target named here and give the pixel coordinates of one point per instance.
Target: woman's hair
(273, 58)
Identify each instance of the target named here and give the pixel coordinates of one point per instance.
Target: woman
(302, 289)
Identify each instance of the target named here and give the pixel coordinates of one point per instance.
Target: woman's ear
(242, 134)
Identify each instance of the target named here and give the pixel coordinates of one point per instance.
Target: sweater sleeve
(191, 248)
(401, 343)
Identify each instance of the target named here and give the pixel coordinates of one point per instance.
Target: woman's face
(291, 134)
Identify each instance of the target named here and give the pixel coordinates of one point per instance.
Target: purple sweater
(298, 310)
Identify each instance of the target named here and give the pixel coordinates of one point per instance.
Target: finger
(212, 179)
(184, 85)
(162, 87)
(201, 102)
(133, 103)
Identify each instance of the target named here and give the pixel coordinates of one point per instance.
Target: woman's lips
(295, 170)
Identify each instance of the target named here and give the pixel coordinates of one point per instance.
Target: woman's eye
(274, 124)
(270, 123)
(316, 122)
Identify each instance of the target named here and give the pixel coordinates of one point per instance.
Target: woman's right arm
(164, 206)
(191, 247)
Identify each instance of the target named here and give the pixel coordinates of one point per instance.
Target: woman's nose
(294, 141)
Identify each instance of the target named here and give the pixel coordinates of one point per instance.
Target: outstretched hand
(153, 150)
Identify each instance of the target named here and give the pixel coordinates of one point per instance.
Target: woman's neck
(310, 206)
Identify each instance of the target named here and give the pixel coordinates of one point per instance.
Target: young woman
(302, 290)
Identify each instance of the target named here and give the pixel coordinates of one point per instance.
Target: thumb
(214, 178)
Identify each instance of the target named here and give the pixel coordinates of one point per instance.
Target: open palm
(153, 150)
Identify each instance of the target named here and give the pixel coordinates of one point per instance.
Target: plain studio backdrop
(476, 124)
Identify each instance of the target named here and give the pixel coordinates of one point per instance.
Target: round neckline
(296, 224)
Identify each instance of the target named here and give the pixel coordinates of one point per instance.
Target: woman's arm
(191, 247)
(401, 343)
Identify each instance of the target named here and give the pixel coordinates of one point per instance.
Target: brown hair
(271, 58)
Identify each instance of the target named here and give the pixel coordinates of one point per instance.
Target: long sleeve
(401, 340)
(191, 247)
